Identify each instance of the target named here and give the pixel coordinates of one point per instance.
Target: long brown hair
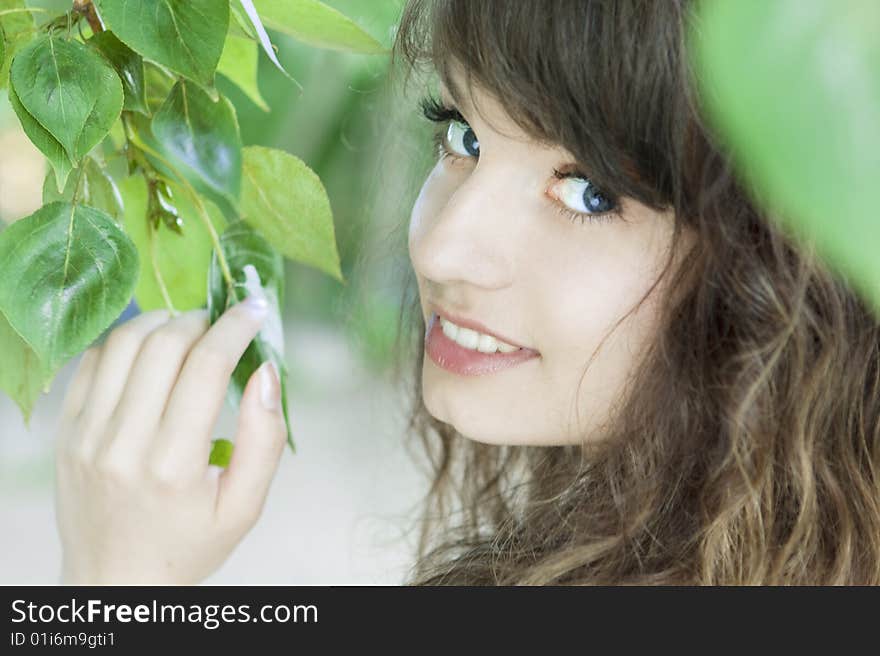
(747, 449)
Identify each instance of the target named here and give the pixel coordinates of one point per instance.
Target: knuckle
(164, 341)
(124, 338)
(109, 466)
(199, 317)
(167, 475)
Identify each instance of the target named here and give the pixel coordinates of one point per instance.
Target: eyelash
(437, 112)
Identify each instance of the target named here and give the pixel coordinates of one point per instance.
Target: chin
(438, 406)
(447, 403)
(466, 424)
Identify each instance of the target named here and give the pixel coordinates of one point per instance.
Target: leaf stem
(196, 199)
(87, 9)
(157, 273)
(215, 238)
(79, 177)
(20, 10)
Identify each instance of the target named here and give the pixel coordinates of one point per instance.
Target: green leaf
(129, 66)
(20, 373)
(70, 89)
(286, 201)
(91, 186)
(200, 137)
(793, 87)
(243, 246)
(317, 24)
(45, 142)
(185, 36)
(239, 24)
(159, 83)
(182, 260)
(68, 272)
(239, 64)
(221, 452)
(17, 29)
(262, 36)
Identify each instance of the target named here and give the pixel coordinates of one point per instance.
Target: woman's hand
(136, 499)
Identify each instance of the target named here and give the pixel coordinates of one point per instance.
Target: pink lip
(453, 357)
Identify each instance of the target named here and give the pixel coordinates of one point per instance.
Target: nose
(464, 234)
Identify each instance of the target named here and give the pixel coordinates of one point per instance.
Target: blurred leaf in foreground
(793, 87)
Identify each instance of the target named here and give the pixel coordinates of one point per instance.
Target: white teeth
(449, 329)
(467, 337)
(471, 339)
(487, 344)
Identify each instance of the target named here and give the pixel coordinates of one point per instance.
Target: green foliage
(16, 29)
(245, 247)
(185, 36)
(69, 89)
(239, 64)
(130, 67)
(43, 140)
(221, 452)
(94, 188)
(793, 87)
(317, 24)
(200, 137)
(287, 203)
(179, 260)
(69, 271)
(150, 186)
(20, 373)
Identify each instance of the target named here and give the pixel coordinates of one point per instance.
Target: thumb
(259, 442)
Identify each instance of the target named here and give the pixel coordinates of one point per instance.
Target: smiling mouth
(474, 340)
(470, 353)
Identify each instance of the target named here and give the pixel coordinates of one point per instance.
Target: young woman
(625, 372)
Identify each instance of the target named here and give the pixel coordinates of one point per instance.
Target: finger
(200, 390)
(117, 355)
(259, 442)
(78, 389)
(150, 381)
(74, 399)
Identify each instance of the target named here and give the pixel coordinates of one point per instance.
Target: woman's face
(491, 242)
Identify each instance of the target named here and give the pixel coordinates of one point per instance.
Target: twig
(197, 201)
(87, 9)
(158, 274)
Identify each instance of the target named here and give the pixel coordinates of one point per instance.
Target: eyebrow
(452, 88)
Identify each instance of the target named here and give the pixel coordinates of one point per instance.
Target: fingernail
(270, 387)
(256, 299)
(256, 304)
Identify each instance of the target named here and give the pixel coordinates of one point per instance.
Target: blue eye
(581, 195)
(461, 140)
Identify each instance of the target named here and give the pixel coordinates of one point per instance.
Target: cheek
(588, 299)
(600, 277)
(585, 294)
